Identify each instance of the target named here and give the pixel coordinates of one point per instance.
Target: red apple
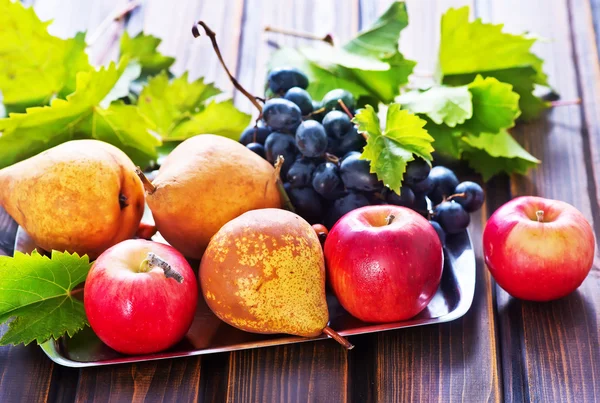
(140, 296)
(383, 271)
(538, 249)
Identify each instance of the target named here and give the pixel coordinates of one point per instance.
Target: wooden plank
(308, 371)
(164, 381)
(550, 351)
(449, 362)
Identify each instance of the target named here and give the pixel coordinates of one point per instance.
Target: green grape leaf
(443, 105)
(143, 48)
(380, 40)
(36, 292)
(80, 116)
(389, 150)
(490, 154)
(521, 78)
(166, 102)
(369, 65)
(495, 106)
(490, 53)
(447, 140)
(36, 66)
(220, 118)
(181, 109)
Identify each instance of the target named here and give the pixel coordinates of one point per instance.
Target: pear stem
(150, 188)
(287, 203)
(336, 336)
(154, 261)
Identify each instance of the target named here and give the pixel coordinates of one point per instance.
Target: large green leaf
(490, 154)
(36, 292)
(448, 105)
(36, 66)
(80, 116)
(143, 49)
(471, 48)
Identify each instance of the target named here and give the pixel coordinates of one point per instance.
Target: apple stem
(336, 336)
(155, 261)
(389, 219)
(540, 215)
(150, 188)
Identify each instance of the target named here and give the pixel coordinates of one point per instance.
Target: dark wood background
(502, 349)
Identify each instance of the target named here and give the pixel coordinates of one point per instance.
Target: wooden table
(502, 349)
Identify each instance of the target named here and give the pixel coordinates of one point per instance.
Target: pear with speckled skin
(264, 272)
(81, 196)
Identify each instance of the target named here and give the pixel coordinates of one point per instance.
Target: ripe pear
(204, 182)
(264, 272)
(81, 196)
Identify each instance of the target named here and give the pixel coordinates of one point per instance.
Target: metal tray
(209, 335)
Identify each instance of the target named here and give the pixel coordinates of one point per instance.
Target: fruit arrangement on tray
(259, 222)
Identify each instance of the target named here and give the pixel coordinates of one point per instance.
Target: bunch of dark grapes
(323, 174)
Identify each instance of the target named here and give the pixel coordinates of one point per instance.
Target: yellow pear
(205, 182)
(80, 196)
(264, 272)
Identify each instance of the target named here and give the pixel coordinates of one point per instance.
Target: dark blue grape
(343, 205)
(444, 183)
(416, 171)
(473, 196)
(420, 205)
(452, 217)
(330, 100)
(336, 124)
(423, 187)
(301, 172)
(282, 115)
(281, 144)
(281, 79)
(307, 203)
(311, 138)
(301, 98)
(261, 130)
(440, 231)
(406, 197)
(257, 148)
(327, 182)
(356, 174)
(352, 141)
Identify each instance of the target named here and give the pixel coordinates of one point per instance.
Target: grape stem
(389, 219)
(345, 108)
(299, 34)
(287, 203)
(540, 215)
(336, 336)
(323, 109)
(148, 186)
(567, 102)
(332, 158)
(454, 196)
(213, 39)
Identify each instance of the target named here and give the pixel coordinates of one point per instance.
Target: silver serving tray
(209, 335)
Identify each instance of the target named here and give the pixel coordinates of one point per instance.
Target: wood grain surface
(501, 350)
